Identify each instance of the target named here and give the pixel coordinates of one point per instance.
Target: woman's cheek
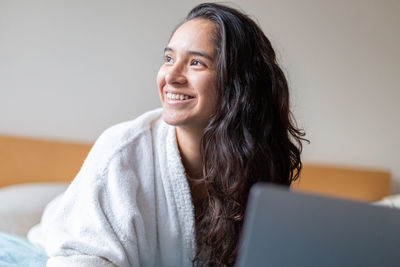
(161, 82)
(160, 77)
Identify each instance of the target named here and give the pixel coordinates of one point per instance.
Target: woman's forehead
(195, 34)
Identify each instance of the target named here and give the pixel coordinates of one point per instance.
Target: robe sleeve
(96, 222)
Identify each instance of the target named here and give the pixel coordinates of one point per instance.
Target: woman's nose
(175, 75)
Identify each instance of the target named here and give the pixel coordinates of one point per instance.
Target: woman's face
(187, 79)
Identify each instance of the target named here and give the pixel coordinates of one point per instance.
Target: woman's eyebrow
(168, 49)
(201, 54)
(196, 53)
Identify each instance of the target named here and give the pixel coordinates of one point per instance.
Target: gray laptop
(283, 228)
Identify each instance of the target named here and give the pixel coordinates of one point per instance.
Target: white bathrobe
(130, 204)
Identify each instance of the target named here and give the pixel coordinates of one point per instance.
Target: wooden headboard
(24, 160)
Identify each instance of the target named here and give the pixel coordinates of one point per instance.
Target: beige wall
(69, 69)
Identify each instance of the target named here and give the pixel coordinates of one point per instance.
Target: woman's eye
(169, 59)
(196, 63)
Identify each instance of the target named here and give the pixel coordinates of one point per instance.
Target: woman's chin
(185, 119)
(174, 119)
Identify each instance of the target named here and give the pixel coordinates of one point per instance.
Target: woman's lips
(181, 97)
(178, 99)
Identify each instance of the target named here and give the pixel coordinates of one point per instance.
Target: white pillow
(21, 206)
(391, 201)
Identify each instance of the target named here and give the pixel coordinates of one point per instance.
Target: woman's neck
(189, 148)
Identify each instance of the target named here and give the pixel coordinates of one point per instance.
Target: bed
(33, 171)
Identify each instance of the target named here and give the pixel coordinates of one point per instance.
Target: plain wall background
(70, 69)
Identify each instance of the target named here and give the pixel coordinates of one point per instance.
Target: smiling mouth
(178, 96)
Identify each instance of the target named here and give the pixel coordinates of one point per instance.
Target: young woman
(170, 188)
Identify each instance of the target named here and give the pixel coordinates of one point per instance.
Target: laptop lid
(284, 228)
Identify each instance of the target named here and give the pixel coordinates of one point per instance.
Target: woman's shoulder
(128, 131)
(135, 126)
(122, 135)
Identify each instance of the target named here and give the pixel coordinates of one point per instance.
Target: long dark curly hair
(251, 137)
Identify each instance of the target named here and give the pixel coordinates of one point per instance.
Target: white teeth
(177, 96)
